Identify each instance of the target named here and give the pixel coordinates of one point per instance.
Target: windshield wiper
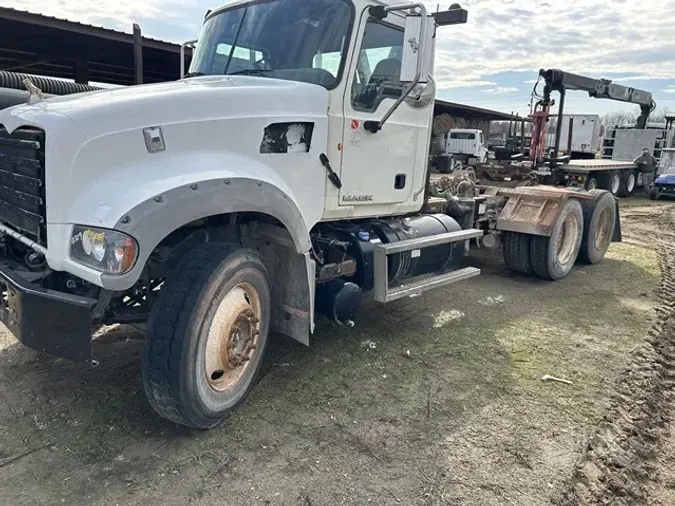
(250, 72)
(193, 74)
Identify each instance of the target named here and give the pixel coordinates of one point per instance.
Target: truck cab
(468, 145)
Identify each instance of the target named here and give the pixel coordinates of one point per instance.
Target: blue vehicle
(664, 186)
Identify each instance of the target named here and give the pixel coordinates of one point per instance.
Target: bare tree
(619, 118)
(623, 118)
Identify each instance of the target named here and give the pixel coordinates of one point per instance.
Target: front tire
(208, 332)
(553, 257)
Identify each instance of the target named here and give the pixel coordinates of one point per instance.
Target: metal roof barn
(48, 46)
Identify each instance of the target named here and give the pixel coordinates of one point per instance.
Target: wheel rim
(603, 230)
(630, 183)
(567, 240)
(233, 337)
(616, 183)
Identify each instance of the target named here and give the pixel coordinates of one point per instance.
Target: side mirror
(418, 49)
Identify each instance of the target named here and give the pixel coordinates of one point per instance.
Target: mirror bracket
(375, 126)
(378, 11)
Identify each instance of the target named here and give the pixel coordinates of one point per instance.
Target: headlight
(107, 251)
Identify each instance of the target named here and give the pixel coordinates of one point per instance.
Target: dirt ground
(436, 400)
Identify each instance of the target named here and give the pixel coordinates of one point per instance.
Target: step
(433, 240)
(416, 287)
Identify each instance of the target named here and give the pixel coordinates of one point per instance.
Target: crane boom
(561, 81)
(558, 80)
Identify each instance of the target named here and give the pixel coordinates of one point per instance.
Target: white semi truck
(284, 177)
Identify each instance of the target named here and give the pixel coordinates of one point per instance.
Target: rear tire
(654, 194)
(445, 164)
(516, 250)
(628, 183)
(553, 257)
(610, 181)
(592, 183)
(599, 223)
(207, 335)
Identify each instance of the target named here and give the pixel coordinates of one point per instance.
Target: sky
(490, 62)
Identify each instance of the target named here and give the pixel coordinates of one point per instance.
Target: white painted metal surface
(98, 167)
(628, 143)
(586, 134)
(371, 162)
(416, 41)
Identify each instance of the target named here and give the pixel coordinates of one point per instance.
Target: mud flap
(618, 235)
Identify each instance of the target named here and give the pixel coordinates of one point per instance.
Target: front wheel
(207, 335)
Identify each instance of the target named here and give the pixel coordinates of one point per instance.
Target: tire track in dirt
(620, 458)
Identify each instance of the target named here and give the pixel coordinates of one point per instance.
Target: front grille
(22, 182)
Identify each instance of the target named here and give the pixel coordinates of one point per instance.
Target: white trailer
(587, 133)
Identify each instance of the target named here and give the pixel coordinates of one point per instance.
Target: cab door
(378, 168)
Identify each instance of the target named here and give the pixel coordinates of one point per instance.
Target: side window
(379, 66)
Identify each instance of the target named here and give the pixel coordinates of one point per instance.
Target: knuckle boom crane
(561, 81)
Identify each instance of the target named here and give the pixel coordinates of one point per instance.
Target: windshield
(297, 40)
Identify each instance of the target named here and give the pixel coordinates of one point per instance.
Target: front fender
(149, 201)
(154, 219)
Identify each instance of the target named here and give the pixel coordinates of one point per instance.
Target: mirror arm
(375, 126)
(184, 46)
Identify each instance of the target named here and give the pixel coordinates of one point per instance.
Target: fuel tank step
(429, 283)
(406, 288)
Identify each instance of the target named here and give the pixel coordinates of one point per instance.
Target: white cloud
(582, 37)
(500, 90)
(451, 85)
(632, 39)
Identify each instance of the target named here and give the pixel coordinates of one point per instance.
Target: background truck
(620, 177)
(265, 188)
(462, 147)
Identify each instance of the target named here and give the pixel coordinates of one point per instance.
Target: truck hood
(197, 99)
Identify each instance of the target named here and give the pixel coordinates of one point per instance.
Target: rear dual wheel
(628, 184)
(610, 181)
(583, 231)
(599, 225)
(553, 257)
